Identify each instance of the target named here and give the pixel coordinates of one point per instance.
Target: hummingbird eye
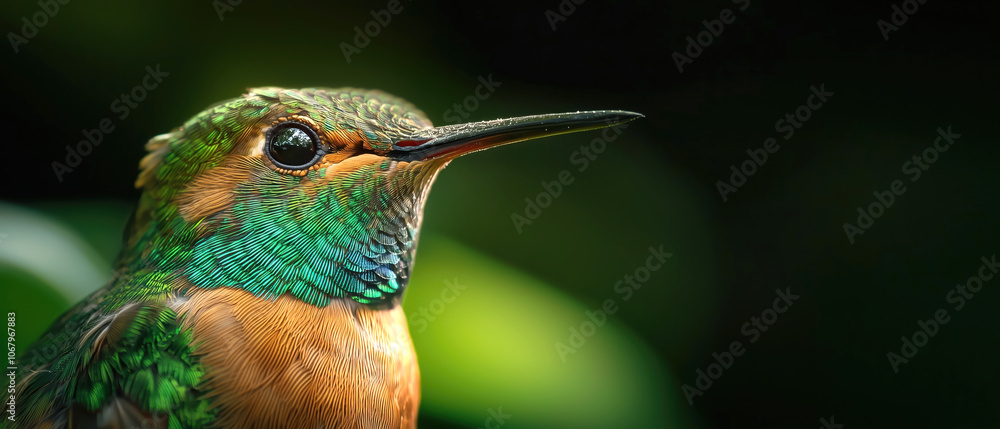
(293, 146)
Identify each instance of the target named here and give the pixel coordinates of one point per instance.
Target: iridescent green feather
(353, 240)
(85, 361)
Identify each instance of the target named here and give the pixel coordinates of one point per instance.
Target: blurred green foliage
(491, 348)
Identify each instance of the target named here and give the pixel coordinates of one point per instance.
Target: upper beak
(451, 141)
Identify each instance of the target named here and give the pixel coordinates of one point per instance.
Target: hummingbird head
(315, 192)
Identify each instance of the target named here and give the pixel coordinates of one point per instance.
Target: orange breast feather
(285, 363)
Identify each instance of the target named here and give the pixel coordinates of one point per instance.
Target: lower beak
(452, 141)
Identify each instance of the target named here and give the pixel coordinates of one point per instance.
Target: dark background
(656, 184)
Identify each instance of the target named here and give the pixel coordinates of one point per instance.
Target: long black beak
(451, 141)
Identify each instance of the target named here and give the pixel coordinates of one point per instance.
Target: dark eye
(293, 146)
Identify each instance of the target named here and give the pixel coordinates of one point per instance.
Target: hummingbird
(261, 275)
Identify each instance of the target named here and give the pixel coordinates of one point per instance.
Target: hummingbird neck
(356, 241)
